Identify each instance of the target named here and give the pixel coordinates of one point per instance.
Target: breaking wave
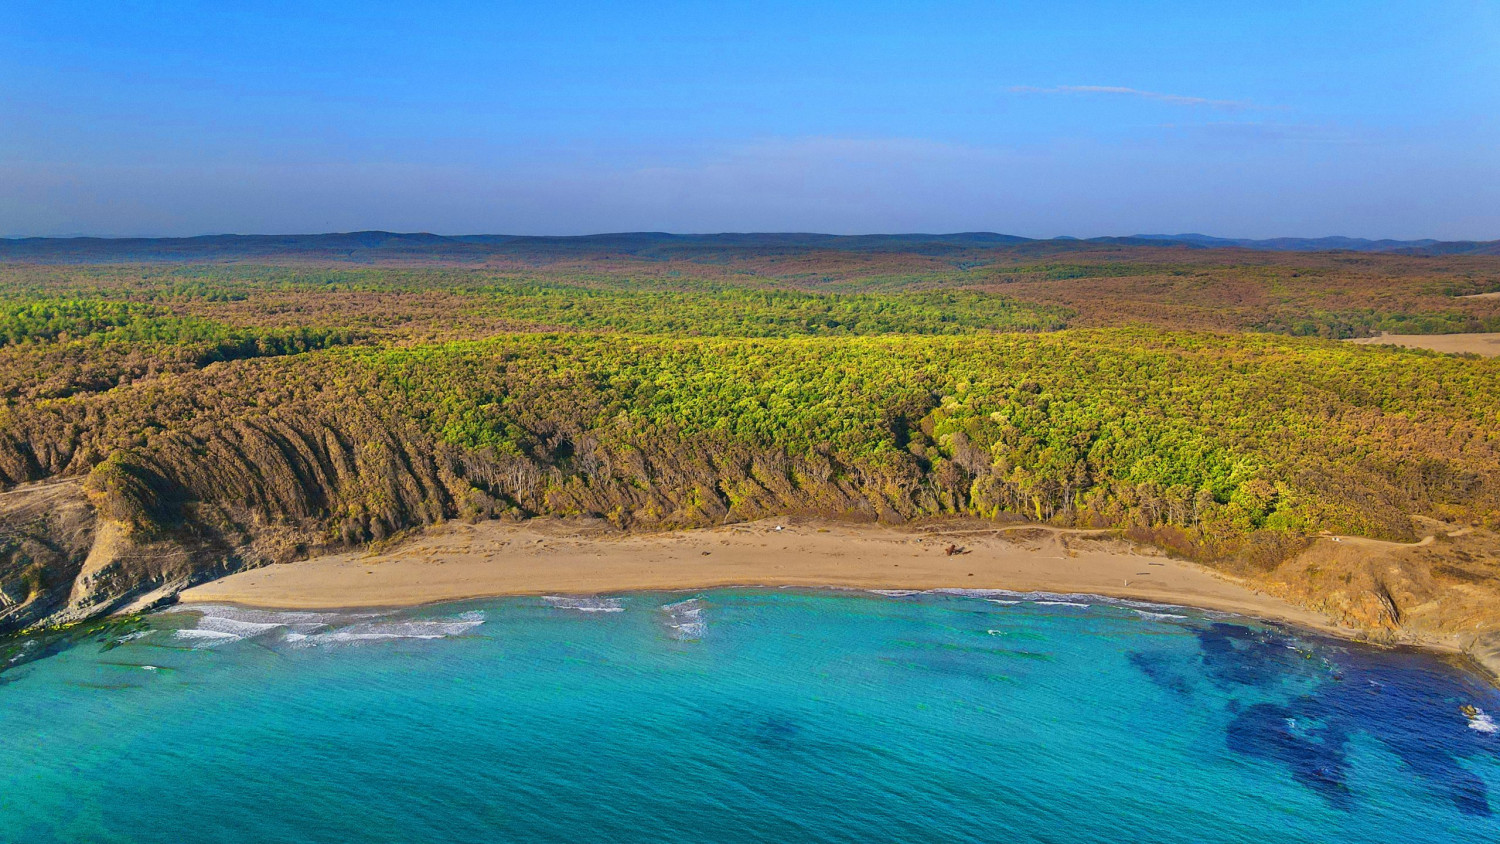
(584, 604)
(215, 625)
(685, 620)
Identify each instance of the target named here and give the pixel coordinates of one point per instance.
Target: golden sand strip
(493, 559)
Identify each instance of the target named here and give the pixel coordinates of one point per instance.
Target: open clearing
(1487, 344)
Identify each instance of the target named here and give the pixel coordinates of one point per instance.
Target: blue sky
(1040, 119)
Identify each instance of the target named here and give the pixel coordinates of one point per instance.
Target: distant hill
(372, 246)
(1334, 244)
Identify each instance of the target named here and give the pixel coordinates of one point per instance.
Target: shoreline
(1449, 652)
(491, 560)
(461, 561)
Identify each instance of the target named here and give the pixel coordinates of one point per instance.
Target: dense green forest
(243, 414)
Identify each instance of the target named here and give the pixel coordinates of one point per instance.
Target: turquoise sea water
(742, 715)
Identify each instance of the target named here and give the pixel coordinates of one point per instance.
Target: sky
(1264, 119)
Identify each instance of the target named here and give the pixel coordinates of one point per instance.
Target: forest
(208, 417)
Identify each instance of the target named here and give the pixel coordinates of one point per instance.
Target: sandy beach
(493, 559)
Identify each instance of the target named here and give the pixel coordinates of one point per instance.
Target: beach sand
(492, 559)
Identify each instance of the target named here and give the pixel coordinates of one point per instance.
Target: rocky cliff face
(61, 561)
(46, 533)
(1442, 589)
(192, 502)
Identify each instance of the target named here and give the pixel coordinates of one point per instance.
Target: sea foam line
(583, 604)
(1009, 597)
(685, 619)
(217, 625)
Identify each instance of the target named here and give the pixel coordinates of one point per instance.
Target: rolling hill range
(379, 246)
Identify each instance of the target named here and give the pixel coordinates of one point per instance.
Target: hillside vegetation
(163, 424)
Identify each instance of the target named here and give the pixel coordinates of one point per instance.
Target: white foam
(386, 630)
(1007, 597)
(980, 593)
(1481, 721)
(234, 627)
(1001, 596)
(275, 618)
(584, 604)
(1158, 615)
(685, 619)
(206, 638)
(247, 623)
(1147, 605)
(218, 625)
(345, 636)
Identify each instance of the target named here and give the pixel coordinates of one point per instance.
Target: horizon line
(787, 233)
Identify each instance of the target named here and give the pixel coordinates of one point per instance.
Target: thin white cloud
(1174, 99)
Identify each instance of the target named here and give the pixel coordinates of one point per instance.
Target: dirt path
(1367, 542)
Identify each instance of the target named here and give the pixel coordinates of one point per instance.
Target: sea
(765, 715)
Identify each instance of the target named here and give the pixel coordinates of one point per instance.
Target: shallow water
(742, 715)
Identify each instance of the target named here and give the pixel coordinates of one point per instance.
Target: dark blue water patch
(1410, 703)
(1164, 668)
(1311, 748)
(1416, 712)
(776, 732)
(1258, 657)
